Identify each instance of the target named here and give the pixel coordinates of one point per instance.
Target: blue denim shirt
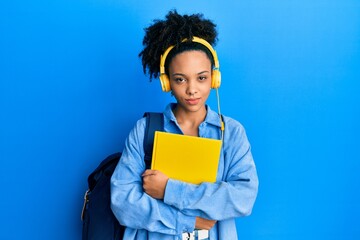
(233, 195)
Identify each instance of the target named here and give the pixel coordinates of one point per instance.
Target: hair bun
(171, 31)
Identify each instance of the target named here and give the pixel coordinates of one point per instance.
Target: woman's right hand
(202, 223)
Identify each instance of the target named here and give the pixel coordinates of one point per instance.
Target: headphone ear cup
(165, 82)
(215, 79)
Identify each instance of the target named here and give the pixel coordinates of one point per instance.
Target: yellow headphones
(215, 75)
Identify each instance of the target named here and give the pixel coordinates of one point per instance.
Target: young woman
(150, 204)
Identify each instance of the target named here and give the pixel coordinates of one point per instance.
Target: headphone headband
(195, 39)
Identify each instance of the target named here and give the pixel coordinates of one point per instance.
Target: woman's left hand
(154, 183)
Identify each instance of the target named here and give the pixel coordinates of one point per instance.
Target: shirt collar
(211, 116)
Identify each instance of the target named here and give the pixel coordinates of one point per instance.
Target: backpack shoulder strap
(154, 122)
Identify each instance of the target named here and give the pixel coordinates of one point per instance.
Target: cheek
(206, 88)
(175, 93)
(206, 92)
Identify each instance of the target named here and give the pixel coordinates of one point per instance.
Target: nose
(191, 88)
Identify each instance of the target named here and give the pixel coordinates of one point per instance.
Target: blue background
(72, 87)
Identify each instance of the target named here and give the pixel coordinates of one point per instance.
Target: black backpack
(99, 222)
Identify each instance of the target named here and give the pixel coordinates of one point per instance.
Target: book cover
(186, 158)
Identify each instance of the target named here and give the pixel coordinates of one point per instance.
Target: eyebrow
(181, 74)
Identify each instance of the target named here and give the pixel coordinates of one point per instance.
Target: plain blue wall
(71, 88)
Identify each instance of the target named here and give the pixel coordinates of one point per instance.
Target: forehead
(192, 59)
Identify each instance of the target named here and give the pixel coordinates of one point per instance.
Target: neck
(189, 121)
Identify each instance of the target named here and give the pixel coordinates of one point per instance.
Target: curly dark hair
(171, 31)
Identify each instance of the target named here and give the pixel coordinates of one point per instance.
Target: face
(190, 80)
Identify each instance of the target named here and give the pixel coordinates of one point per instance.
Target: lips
(192, 101)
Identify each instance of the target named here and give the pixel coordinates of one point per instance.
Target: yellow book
(186, 158)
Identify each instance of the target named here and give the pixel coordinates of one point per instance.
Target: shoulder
(235, 138)
(137, 133)
(232, 125)
(139, 125)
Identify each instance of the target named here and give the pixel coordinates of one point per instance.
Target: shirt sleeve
(131, 205)
(230, 197)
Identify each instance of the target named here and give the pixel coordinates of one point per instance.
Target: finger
(148, 172)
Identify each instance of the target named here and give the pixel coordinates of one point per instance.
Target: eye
(179, 80)
(202, 78)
